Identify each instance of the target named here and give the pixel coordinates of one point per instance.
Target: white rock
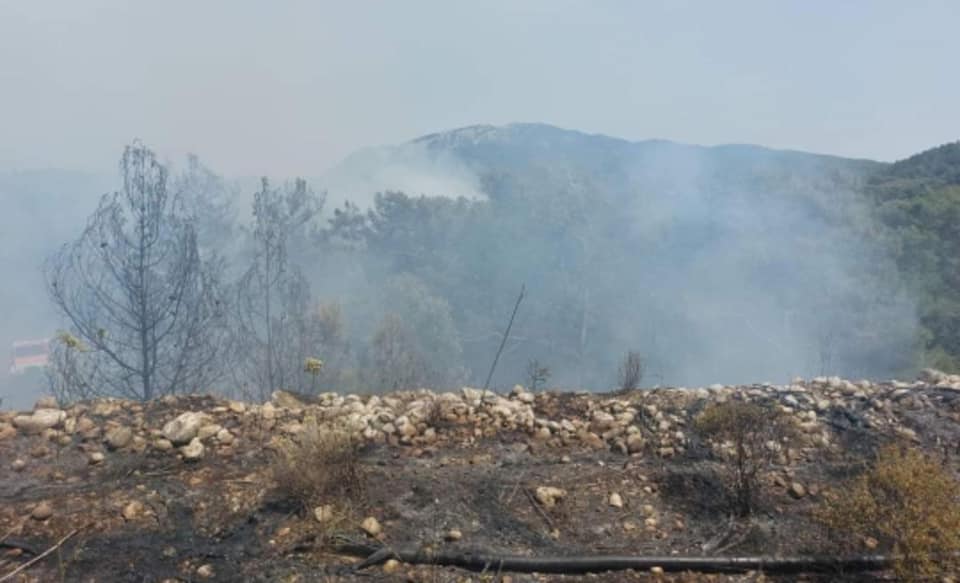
(193, 451)
(549, 495)
(371, 526)
(616, 500)
(39, 420)
(185, 427)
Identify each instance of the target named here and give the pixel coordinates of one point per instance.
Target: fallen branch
(39, 557)
(480, 560)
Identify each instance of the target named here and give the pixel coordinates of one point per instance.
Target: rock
(548, 496)
(648, 510)
(616, 500)
(185, 427)
(797, 490)
(18, 465)
(119, 437)
(42, 511)
(133, 510)
(323, 513)
(225, 437)
(208, 431)
(205, 571)
(237, 407)
(656, 571)
(193, 451)
(7, 431)
(371, 526)
(635, 443)
(453, 535)
(163, 444)
(287, 400)
(542, 434)
(392, 566)
(48, 402)
(932, 376)
(39, 420)
(95, 458)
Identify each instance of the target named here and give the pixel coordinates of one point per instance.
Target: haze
(291, 88)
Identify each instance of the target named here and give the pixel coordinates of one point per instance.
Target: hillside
(185, 488)
(729, 263)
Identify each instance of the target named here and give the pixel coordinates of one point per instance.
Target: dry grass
(907, 503)
(320, 466)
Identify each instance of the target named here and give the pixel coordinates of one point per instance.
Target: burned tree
(276, 329)
(137, 293)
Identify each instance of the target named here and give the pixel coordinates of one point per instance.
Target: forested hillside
(918, 203)
(713, 264)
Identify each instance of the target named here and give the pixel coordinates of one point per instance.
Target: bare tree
(393, 362)
(276, 330)
(537, 375)
(631, 371)
(137, 293)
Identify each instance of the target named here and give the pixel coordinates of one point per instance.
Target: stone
(371, 526)
(616, 500)
(133, 510)
(208, 431)
(95, 458)
(797, 490)
(119, 437)
(42, 511)
(237, 407)
(323, 513)
(392, 566)
(48, 402)
(225, 437)
(39, 420)
(548, 496)
(635, 443)
(205, 571)
(453, 535)
(18, 465)
(193, 451)
(7, 431)
(163, 444)
(184, 428)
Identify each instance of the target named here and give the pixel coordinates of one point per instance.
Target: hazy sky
(291, 87)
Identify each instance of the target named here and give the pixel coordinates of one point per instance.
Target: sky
(290, 88)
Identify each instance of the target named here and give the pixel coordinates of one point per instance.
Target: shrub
(321, 465)
(537, 375)
(631, 371)
(909, 504)
(755, 433)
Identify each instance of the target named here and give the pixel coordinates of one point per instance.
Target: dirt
(223, 518)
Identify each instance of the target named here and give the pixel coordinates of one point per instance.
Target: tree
(275, 329)
(749, 428)
(136, 291)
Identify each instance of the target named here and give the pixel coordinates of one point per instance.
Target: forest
(694, 265)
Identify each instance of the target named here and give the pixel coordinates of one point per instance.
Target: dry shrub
(321, 465)
(757, 433)
(909, 504)
(631, 371)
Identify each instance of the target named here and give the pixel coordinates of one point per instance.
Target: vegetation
(909, 504)
(750, 437)
(320, 466)
(631, 371)
(711, 280)
(136, 290)
(918, 203)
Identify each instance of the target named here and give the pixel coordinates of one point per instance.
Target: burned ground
(142, 510)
